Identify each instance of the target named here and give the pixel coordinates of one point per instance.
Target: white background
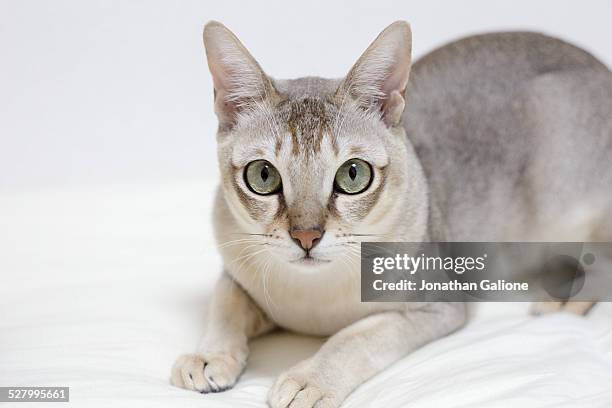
(99, 92)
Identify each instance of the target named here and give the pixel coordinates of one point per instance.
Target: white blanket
(101, 289)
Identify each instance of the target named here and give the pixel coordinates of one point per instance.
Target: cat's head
(311, 167)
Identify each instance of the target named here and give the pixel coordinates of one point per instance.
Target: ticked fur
(460, 150)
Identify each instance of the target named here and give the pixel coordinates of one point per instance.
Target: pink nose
(307, 239)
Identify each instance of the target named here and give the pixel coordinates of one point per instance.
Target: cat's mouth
(308, 260)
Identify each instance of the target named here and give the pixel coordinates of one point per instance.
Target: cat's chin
(309, 261)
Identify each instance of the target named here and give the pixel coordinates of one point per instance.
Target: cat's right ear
(238, 79)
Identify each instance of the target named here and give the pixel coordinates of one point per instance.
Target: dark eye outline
(340, 190)
(246, 180)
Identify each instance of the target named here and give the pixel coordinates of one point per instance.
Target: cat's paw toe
(222, 371)
(205, 374)
(299, 389)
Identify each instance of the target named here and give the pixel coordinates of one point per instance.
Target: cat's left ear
(379, 78)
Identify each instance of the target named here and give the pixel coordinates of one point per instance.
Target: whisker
(251, 254)
(269, 301)
(238, 242)
(252, 234)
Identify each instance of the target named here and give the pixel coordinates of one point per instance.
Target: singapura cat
(495, 137)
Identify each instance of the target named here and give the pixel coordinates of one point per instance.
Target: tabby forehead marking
(308, 120)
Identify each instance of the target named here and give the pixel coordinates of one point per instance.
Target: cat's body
(513, 131)
(503, 138)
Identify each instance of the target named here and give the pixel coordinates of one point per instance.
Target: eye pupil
(353, 171)
(265, 173)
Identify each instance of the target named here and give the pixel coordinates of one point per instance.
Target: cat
(495, 137)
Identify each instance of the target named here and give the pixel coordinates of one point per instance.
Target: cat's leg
(579, 308)
(233, 319)
(602, 232)
(359, 351)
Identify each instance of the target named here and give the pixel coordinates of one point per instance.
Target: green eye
(353, 177)
(262, 177)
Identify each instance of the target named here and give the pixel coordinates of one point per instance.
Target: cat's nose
(308, 238)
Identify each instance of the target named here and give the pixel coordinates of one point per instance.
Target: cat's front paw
(206, 373)
(304, 387)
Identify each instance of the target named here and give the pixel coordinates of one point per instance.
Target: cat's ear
(379, 77)
(238, 79)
